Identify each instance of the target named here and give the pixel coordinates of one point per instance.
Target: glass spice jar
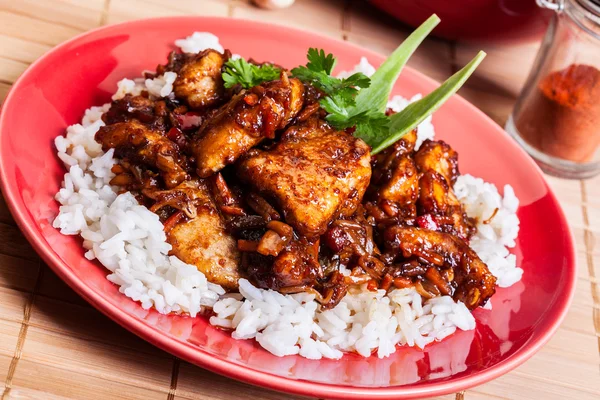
(557, 116)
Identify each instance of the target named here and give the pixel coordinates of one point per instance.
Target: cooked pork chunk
(438, 163)
(137, 142)
(438, 156)
(131, 107)
(394, 186)
(314, 174)
(199, 79)
(297, 265)
(472, 283)
(402, 187)
(202, 241)
(244, 122)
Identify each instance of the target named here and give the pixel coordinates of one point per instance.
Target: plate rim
(204, 359)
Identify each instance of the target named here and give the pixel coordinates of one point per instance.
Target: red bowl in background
(504, 20)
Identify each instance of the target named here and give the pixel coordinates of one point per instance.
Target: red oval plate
(54, 92)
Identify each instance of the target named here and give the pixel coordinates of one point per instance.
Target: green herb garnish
(340, 93)
(406, 120)
(364, 109)
(248, 75)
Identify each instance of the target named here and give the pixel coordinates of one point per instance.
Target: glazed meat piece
(149, 112)
(199, 80)
(245, 121)
(472, 283)
(296, 266)
(203, 241)
(440, 209)
(439, 157)
(394, 186)
(403, 186)
(436, 195)
(405, 145)
(314, 174)
(401, 191)
(138, 143)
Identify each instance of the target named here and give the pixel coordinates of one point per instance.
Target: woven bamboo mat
(53, 345)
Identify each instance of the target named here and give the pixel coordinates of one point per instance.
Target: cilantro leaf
(329, 84)
(372, 126)
(248, 75)
(357, 80)
(341, 94)
(319, 61)
(319, 79)
(369, 125)
(337, 106)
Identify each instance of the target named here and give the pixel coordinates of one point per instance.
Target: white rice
(363, 66)
(363, 322)
(129, 241)
(159, 86)
(494, 235)
(199, 41)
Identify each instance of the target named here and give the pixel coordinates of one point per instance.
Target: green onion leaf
(376, 96)
(407, 119)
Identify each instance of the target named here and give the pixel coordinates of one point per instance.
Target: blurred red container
(504, 20)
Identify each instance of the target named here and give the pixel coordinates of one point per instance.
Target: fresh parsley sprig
(318, 73)
(247, 75)
(340, 93)
(319, 61)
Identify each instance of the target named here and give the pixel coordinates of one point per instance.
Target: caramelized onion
(372, 285)
(173, 220)
(117, 169)
(262, 207)
(421, 290)
(386, 282)
(232, 210)
(402, 282)
(434, 277)
(123, 179)
(223, 190)
(372, 266)
(448, 274)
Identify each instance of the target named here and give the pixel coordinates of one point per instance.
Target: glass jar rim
(581, 11)
(592, 6)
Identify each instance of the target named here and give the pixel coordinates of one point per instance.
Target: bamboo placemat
(53, 345)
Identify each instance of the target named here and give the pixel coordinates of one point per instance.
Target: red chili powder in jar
(561, 116)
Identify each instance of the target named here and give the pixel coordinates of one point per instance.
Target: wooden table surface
(54, 345)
